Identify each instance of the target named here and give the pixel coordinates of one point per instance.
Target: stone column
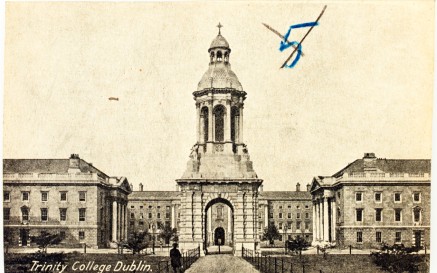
(209, 224)
(240, 136)
(249, 221)
(266, 215)
(197, 217)
(114, 220)
(325, 220)
(125, 221)
(198, 122)
(227, 122)
(210, 121)
(229, 220)
(119, 221)
(237, 128)
(334, 219)
(202, 129)
(314, 223)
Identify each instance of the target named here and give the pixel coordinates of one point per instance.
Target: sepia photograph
(218, 136)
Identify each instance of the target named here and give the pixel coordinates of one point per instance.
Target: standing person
(175, 257)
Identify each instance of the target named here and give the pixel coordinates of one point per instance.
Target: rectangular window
(132, 207)
(280, 215)
(141, 215)
(307, 207)
(289, 206)
(159, 207)
(63, 195)
(81, 235)
(150, 215)
(132, 223)
(358, 196)
(398, 237)
(62, 234)
(271, 215)
(289, 225)
(359, 215)
(298, 215)
(416, 197)
(132, 215)
(167, 215)
(82, 215)
(141, 207)
(398, 215)
(307, 215)
(150, 207)
(378, 237)
(307, 225)
(289, 215)
(298, 225)
(25, 214)
(378, 215)
(82, 196)
(6, 214)
(280, 207)
(63, 214)
(6, 196)
(397, 197)
(359, 236)
(167, 208)
(158, 215)
(44, 212)
(44, 196)
(141, 223)
(417, 214)
(280, 225)
(25, 196)
(378, 197)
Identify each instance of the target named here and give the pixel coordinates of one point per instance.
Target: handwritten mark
(280, 35)
(113, 98)
(296, 45)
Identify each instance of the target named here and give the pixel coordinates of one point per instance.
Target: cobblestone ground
(221, 264)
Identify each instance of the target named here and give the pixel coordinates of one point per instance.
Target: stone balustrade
(51, 176)
(373, 176)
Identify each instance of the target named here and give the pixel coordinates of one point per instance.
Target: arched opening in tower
(204, 124)
(219, 121)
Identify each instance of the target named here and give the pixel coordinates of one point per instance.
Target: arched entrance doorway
(219, 236)
(219, 226)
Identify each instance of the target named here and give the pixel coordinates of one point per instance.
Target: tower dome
(219, 73)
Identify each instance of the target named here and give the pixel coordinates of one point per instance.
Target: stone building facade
(66, 196)
(374, 200)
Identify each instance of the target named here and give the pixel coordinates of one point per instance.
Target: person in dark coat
(175, 257)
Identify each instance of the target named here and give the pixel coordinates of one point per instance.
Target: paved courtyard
(221, 264)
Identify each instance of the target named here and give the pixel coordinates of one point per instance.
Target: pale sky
(364, 84)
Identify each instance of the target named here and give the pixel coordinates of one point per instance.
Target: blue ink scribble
(285, 44)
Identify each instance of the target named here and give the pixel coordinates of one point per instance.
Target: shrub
(396, 258)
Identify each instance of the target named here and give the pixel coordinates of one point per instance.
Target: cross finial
(219, 27)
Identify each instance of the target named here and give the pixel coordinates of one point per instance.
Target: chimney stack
(141, 186)
(308, 187)
(74, 164)
(131, 186)
(298, 186)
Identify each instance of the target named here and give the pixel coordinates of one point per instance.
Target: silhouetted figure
(175, 257)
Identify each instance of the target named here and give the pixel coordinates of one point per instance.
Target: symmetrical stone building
(374, 200)
(66, 196)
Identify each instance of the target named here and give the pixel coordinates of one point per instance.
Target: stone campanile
(219, 169)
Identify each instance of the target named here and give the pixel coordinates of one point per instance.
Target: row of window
(25, 195)
(288, 225)
(281, 215)
(397, 197)
(378, 237)
(44, 214)
(417, 215)
(151, 207)
(157, 225)
(289, 207)
(150, 215)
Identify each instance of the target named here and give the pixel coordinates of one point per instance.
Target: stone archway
(219, 236)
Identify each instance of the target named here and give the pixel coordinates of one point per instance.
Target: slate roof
(284, 195)
(46, 166)
(154, 195)
(388, 166)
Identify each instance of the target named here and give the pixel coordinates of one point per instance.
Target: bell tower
(219, 169)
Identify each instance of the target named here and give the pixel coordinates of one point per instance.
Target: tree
(396, 258)
(137, 241)
(46, 239)
(271, 233)
(298, 244)
(167, 233)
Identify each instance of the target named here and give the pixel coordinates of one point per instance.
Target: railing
(375, 176)
(50, 176)
(271, 264)
(188, 258)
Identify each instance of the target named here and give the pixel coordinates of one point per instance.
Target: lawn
(317, 263)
